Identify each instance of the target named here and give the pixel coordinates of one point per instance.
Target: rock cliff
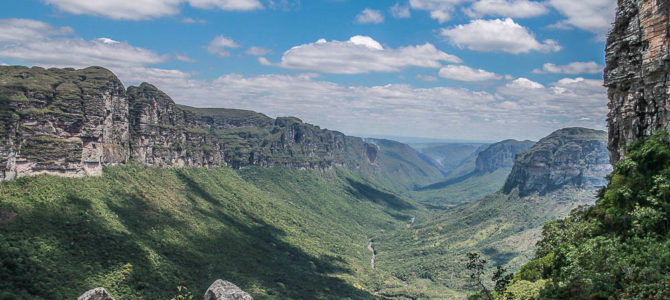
(638, 63)
(569, 156)
(73, 122)
(500, 155)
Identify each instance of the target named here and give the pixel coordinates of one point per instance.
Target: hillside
(503, 226)
(140, 231)
(454, 158)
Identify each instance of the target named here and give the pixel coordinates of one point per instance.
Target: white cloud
(497, 35)
(19, 30)
(426, 78)
(571, 68)
(257, 51)
(440, 10)
(465, 73)
(361, 54)
(506, 8)
(184, 58)
(400, 11)
(594, 16)
(40, 43)
(146, 9)
(523, 84)
(192, 21)
(239, 5)
(370, 16)
(219, 45)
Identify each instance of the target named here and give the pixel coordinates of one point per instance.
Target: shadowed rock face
(224, 290)
(638, 63)
(73, 122)
(570, 156)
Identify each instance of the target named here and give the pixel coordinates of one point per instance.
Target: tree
(476, 266)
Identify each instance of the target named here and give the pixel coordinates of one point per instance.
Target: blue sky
(453, 69)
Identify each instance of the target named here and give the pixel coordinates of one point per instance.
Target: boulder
(224, 290)
(96, 294)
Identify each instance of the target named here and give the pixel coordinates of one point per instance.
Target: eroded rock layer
(73, 122)
(638, 63)
(569, 156)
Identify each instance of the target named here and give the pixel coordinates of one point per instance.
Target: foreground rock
(569, 156)
(638, 63)
(224, 290)
(96, 294)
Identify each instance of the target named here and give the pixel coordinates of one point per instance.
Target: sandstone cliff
(569, 156)
(638, 63)
(73, 122)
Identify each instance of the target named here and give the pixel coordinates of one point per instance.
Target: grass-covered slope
(454, 158)
(503, 227)
(617, 249)
(278, 233)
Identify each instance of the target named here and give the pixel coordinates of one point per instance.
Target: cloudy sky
(451, 69)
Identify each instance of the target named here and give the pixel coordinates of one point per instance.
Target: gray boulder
(96, 294)
(224, 290)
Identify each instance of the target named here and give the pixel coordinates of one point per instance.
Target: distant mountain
(500, 155)
(570, 156)
(454, 158)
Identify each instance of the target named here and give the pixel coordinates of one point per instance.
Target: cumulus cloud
(506, 8)
(219, 45)
(360, 54)
(497, 35)
(399, 11)
(146, 9)
(21, 30)
(370, 16)
(589, 67)
(441, 10)
(257, 51)
(465, 73)
(594, 16)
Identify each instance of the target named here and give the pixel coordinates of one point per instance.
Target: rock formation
(224, 290)
(569, 156)
(73, 122)
(500, 155)
(638, 63)
(96, 294)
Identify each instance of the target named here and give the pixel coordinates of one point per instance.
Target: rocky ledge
(73, 122)
(569, 156)
(638, 63)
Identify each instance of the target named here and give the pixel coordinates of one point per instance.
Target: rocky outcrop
(61, 121)
(638, 63)
(500, 155)
(224, 290)
(73, 122)
(96, 294)
(569, 156)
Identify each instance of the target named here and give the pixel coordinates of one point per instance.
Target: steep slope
(490, 169)
(73, 122)
(503, 226)
(140, 231)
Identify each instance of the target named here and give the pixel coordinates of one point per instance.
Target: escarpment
(638, 63)
(73, 122)
(500, 155)
(569, 156)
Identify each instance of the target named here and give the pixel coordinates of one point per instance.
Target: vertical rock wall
(638, 63)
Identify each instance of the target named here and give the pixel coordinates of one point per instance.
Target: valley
(162, 195)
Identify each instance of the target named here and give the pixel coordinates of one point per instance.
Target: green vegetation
(278, 233)
(461, 190)
(619, 248)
